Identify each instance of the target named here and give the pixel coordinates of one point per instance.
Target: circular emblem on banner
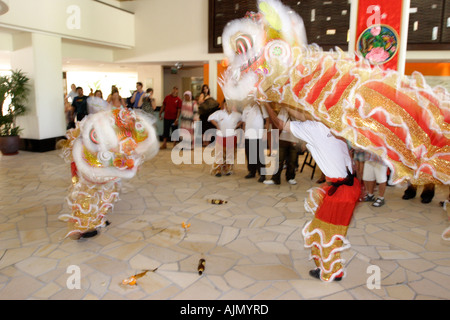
(378, 44)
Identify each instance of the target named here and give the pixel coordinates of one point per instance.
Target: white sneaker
(292, 181)
(269, 182)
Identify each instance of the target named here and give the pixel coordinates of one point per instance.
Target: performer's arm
(277, 122)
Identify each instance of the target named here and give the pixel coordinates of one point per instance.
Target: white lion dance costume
(104, 148)
(400, 119)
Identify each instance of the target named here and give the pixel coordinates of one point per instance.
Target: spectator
(226, 121)
(70, 115)
(205, 94)
(286, 153)
(137, 95)
(359, 159)
(96, 103)
(113, 89)
(189, 113)
(72, 94)
(205, 109)
(375, 171)
(98, 94)
(80, 104)
(254, 120)
(171, 108)
(147, 102)
(116, 100)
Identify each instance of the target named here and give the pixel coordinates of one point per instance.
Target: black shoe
(315, 273)
(218, 174)
(262, 179)
(107, 223)
(426, 199)
(409, 194)
(89, 234)
(250, 175)
(427, 196)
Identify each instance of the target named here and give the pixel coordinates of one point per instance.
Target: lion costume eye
(244, 43)
(93, 136)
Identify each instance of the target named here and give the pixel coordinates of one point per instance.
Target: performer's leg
(326, 233)
(427, 193)
(410, 192)
(90, 204)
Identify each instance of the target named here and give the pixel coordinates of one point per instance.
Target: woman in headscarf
(189, 114)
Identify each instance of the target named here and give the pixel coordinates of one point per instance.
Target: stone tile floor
(252, 244)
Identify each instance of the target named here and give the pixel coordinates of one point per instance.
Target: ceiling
(97, 66)
(70, 64)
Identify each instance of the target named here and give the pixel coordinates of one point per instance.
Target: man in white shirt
(334, 203)
(254, 118)
(226, 121)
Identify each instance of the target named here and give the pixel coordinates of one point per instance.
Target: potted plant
(14, 87)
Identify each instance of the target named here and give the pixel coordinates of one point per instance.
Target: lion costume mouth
(253, 40)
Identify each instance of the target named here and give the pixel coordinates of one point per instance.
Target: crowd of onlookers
(77, 107)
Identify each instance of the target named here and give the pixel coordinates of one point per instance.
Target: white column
(404, 36)
(39, 56)
(213, 78)
(353, 21)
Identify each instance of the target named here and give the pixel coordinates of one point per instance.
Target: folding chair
(309, 163)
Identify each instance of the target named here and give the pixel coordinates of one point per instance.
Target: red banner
(378, 31)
